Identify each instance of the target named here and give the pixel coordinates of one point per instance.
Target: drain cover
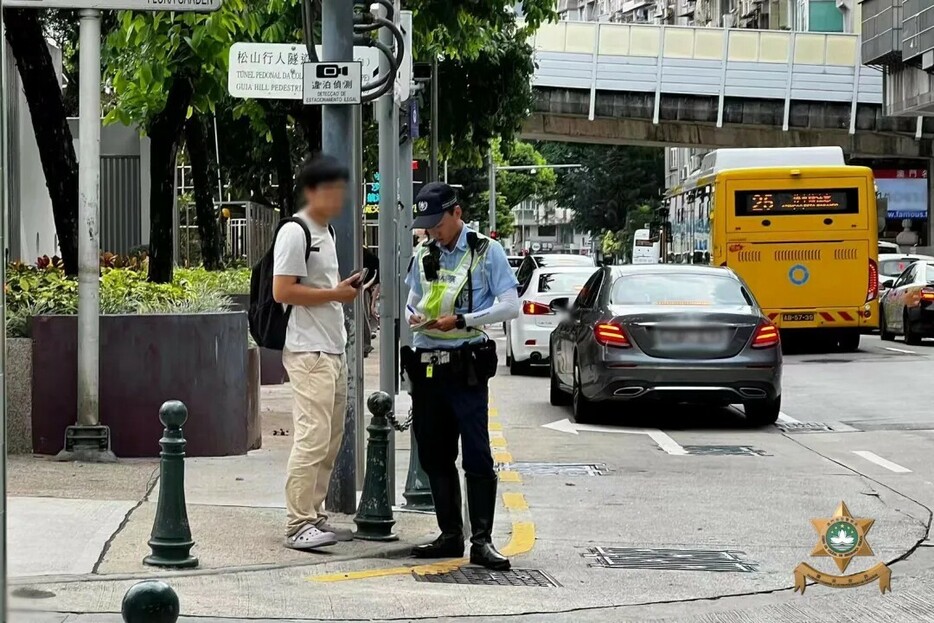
(725, 451)
(558, 469)
(485, 577)
(670, 559)
(803, 427)
(32, 593)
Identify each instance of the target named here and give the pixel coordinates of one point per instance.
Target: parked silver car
(683, 333)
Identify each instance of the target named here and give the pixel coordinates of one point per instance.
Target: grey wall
(124, 216)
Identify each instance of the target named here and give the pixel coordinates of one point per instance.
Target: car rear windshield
(893, 268)
(562, 283)
(678, 289)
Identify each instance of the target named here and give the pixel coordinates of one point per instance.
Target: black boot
(481, 504)
(446, 492)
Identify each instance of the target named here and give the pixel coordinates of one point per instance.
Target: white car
(528, 337)
(891, 265)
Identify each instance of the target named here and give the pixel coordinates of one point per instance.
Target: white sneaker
(310, 537)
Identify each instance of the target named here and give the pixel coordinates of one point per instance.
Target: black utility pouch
(485, 359)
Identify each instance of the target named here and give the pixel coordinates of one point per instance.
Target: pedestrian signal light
(494, 235)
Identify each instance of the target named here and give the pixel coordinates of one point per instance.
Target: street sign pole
(337, 141)
(492, 206)
(88, 440)
(388, 151)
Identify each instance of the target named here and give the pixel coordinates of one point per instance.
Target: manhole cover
(558, 469)
(485, 577)
(803, 427)
(725, 451)
(670, 559)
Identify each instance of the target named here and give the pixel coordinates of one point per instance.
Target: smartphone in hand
(362, 276)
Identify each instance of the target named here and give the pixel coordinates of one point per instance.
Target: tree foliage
(612, 181)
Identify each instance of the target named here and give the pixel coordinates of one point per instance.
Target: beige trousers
(319, 391)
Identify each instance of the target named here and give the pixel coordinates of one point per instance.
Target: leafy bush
(44, 290)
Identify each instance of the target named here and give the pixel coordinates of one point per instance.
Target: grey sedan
(681, 333)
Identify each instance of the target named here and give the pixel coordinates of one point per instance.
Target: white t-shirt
(319, 328)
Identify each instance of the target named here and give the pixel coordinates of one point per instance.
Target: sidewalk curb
(393, 551)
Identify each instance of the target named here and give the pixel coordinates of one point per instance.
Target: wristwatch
(460, 322)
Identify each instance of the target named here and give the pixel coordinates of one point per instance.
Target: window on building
(824, 16)
(547, 231)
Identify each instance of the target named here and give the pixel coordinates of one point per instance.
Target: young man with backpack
(307, 285)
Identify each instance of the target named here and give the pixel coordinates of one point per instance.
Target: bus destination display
(820, 201)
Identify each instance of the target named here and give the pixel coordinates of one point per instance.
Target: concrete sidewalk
(79, 524)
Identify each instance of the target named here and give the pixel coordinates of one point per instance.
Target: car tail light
(531, 308)
(611, 334)
(927, 294)
(873, 290)
(766, 336)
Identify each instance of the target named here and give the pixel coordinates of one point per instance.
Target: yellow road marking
(515, 501)
(508, 476)
(520, 542)
(502, 458)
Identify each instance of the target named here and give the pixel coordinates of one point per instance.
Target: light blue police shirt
(491, 278)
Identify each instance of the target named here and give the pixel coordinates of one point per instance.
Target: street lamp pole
(532, 168)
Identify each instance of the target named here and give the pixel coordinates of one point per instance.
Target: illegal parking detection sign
(196, 6)
(337, 82)
(275, 70)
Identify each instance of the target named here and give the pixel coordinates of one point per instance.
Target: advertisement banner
(906, 191)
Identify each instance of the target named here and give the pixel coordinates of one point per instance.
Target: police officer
(459, 281)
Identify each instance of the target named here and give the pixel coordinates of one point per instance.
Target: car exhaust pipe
(629, 392)
(536, 356)
(752, 392)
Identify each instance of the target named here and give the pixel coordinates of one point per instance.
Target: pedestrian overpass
(713, 87)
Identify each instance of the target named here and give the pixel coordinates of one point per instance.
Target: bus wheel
(849, 341)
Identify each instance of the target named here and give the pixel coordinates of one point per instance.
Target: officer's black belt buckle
(437, 357)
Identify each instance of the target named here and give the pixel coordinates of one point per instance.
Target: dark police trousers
(450, 400)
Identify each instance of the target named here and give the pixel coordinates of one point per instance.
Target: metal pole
(217, 150)
(4, 168)
(492, 209)
(337, 134)
(445, 171)
(356, 184)
(388, 195)
(89, 178)
(433, 167)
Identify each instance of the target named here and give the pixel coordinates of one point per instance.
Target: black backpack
(268, 320)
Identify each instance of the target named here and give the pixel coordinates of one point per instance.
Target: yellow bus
(797, 224)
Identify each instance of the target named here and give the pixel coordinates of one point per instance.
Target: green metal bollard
(374, 515)
(417, 492)
(171, 536)
(151, 601)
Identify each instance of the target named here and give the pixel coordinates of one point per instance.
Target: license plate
(797, 317)
(692, 338)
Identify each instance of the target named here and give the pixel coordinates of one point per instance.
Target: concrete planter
(272, 369)
(19, 395)
(200, 359)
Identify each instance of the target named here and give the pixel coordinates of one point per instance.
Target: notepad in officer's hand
(421, 325)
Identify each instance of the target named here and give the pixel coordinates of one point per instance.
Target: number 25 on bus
(798, 225)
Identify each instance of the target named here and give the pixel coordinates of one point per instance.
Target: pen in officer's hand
(411, 310)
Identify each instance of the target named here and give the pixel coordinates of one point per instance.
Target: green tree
(612, 181)
(163, 67)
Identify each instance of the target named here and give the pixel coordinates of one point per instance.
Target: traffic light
(494, 235)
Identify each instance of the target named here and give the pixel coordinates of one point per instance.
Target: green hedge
(33, 291)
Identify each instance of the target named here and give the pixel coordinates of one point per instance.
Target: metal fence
(248, 230)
